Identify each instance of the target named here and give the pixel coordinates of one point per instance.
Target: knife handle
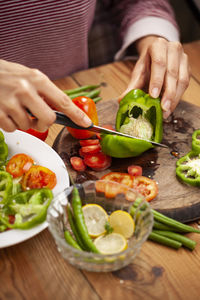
(62, 119)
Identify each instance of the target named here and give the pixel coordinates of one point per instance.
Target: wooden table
(35, 270)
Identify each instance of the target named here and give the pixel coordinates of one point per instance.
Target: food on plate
(138, 115)
(25, 192)
(188, 166)
(145, 186)
(89, 107)
(3, 149)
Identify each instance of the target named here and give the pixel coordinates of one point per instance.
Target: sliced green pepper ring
(196, 141)
(188, 168)
(6, 185)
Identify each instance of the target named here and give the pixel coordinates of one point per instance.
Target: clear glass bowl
(57, 220)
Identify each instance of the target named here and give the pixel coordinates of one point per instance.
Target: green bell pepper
(6, 186)
(188, 168)
(138, 115)
(3, 148)
(29, 207)
(196, 141)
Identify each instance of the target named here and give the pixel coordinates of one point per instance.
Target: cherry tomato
(89, 107)
(38, 177)
(146, 187)
(110, 188)
(135, 170)
(89, 142)
(11, 219)
(77, 163)
(107, 126)
(40, 135)
(92, 149)
(122, 178)
(98, 161)
(19, 164)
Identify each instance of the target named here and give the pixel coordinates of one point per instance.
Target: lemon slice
(95, 219)
(122, 222)
(111, 243)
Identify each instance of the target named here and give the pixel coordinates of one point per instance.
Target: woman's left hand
(164, 67)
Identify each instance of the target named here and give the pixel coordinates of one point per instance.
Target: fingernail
(155, 92)
(86, 121)
(166, 114)
(166, 105)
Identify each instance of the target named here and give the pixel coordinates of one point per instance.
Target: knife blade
(62, 119)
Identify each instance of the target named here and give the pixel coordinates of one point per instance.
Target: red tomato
(135, 170)
(91, 149)
(146, 187)
(108, 126)
(77, 163)
(11, 219)
(110, 188)
(89, 142)
(98, 161)
(19, 164)
(89, 107)
(122, 178)
(40, 135)
(38, 177)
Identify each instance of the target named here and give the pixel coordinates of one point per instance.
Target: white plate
(42, 154)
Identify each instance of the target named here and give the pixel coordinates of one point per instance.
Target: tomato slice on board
(19, 164)
(135, 170)
(122, 178)
(77, 163)
(38, 177)
(88, 142)
(98, 161)
(146, 187)
(110, 188)
(92, 149)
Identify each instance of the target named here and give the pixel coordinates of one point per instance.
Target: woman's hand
(164, 66)
(23, 89)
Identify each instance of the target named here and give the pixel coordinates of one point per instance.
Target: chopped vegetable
(134, 170)
(77, 163)
(19, 164)
(98, 161)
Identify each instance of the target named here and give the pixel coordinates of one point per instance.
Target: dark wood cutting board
(174, 199)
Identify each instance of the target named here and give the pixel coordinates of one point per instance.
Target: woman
(44, 40)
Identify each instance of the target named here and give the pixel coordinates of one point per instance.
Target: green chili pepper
(70, 240)
(188, 168)
(30, 207)
(6, 186)
(196, 141)
(80, 222)
(3, 148)
(139, 115)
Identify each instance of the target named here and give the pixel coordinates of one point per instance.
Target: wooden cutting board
(174, 199)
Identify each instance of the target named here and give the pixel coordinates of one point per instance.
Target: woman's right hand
(23, 89)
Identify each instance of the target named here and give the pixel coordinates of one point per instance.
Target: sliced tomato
(19, 164)
(40, 135)
(77, 163)
(146, 187)
(110, 188)
(135, 170)
(92, 149)
(98, 161)
(38, 177)
(107, 126)
(122, 178)
(89, 142)
(11, 219)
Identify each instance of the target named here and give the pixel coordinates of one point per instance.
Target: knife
(62, 119)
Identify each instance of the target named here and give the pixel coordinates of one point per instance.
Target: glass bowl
(58, 222)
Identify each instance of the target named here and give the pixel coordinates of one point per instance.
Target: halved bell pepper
(196, 141)
(139, 115)
(188, 168)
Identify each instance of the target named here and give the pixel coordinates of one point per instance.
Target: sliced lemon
(95, 219)
(111, 243)
(122, 222)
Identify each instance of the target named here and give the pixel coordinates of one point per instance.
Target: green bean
(96, 99)
(93, 94)
(164, 240)
(80, 89)
(177, 237)
(70, 240)
(161, 226)
(80, 222)
(73, 227)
